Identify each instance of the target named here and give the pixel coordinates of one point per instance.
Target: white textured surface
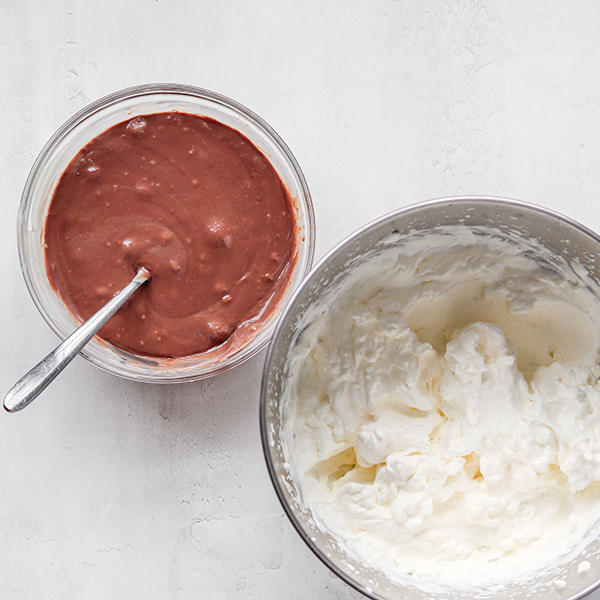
(111, 489)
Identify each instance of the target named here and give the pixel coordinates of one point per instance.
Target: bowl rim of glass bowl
(266, 429)
(149, 369)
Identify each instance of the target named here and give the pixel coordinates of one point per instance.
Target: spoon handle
(39, 378)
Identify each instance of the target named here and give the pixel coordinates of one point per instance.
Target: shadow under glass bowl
(78, 131)
(513, 220)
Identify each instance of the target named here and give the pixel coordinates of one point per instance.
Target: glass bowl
(62, 148)
(562, 239)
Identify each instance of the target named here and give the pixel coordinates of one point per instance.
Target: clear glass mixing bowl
(85, 126)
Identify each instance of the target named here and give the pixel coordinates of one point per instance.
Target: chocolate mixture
(195, 203)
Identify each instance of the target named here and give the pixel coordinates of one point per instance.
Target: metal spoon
(43, 374)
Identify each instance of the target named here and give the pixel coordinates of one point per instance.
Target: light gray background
(111, 489)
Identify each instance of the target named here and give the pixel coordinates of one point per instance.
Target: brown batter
(195, 203)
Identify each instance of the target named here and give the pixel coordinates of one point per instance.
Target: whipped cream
(443, 416)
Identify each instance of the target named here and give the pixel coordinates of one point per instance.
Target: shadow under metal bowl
(562, 237)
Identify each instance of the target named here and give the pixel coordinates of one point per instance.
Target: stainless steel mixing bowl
(565, 239)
